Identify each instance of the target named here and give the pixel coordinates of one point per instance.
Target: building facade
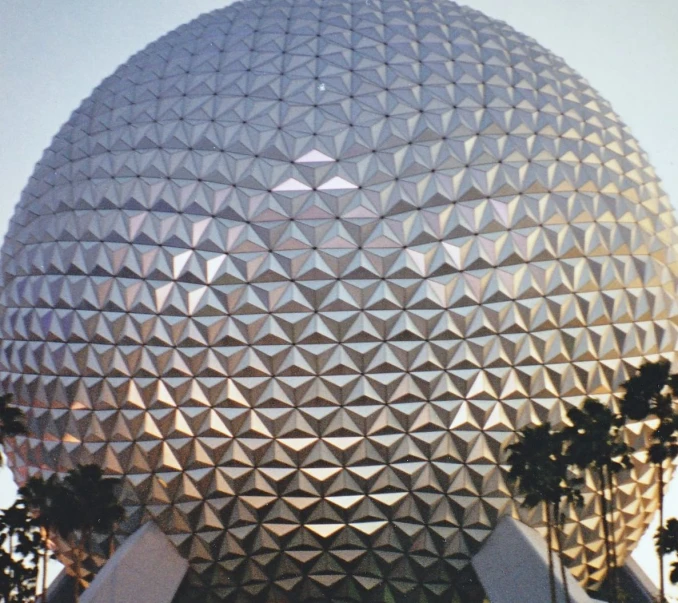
(297, 271)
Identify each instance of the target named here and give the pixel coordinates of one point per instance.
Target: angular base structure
(636, 584)
(513, 566)
(60, 590)
(145, 568)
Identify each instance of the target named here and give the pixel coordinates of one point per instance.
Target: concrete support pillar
(513, 566)
(145, 568)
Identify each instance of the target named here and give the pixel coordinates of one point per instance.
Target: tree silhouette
(16, 577)
(653, 391)
(84, 502)
(539, 468)
(12, 421)
(594, 441)
(88, 504)
(19, 544)
(40, 495)
(666, 541)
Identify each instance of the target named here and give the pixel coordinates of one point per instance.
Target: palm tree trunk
(552, 573)
(78, 571)
(613, 537)
(558, 521)
(44, 534)
(39, 594)
(8, 583)
(111, 542)
(12, 570)
(660, 480)
(85, 548)
(606, 528)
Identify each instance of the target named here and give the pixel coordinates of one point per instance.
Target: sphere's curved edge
(299, 274)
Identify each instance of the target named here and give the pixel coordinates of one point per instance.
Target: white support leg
(145, 568)
(513, 566)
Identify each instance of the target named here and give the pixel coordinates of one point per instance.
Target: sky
(52, 55)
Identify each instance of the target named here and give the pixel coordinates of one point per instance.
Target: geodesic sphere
(298, 270)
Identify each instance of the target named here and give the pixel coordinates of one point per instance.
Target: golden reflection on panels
(298, 270)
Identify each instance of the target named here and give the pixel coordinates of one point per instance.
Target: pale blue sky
(53, 53)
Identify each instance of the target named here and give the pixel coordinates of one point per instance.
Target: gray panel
(145, 568)
(513, 565)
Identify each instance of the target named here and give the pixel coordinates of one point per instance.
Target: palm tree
(594, 441)
(92, 507)
(667, 542)
(19, 544)
(12, 421)
(653, 391)
(84, 502)
(658, 453)
(644, 389)
(539, 468)
(16, 578)
(40, 495)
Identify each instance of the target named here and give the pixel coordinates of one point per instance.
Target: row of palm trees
(73, 508)
(548, 465)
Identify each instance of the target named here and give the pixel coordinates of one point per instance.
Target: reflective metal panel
(298, 270)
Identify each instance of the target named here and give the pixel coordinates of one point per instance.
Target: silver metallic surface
(299, 269)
